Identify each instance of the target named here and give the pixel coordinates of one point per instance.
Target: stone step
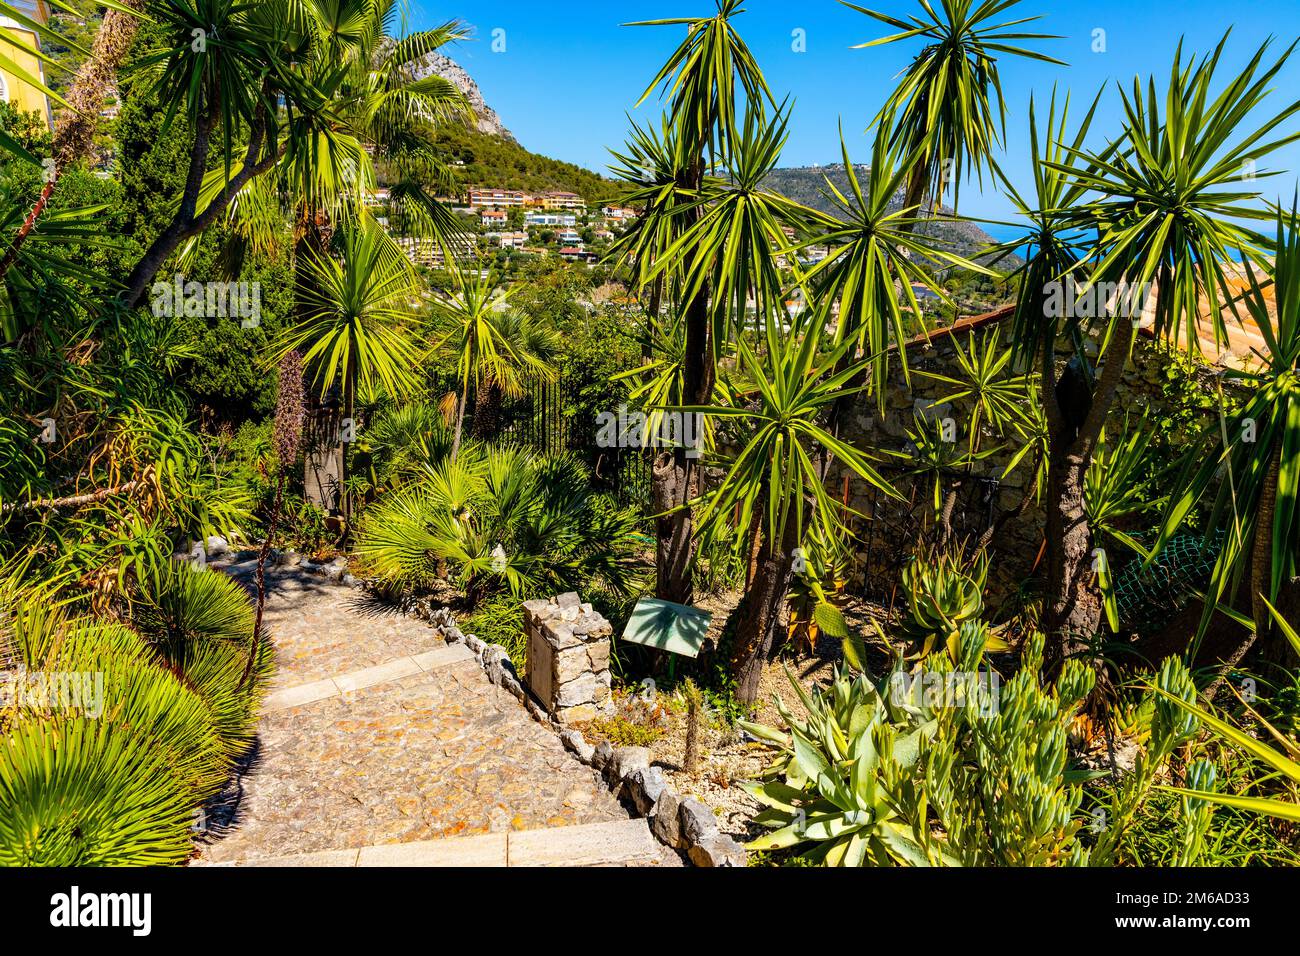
(620, 842)
(425, 663)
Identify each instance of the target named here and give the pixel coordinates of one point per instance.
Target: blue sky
(569, 72)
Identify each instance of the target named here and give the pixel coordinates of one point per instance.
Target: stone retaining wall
(988, 492)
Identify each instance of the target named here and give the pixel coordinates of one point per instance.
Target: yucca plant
(875, 260)
(997, 396)
(1113, 497)
(771, 485)
(949, 100)
(933, 456)
(491, 351)
(710, 78)
(1255, 501)
(1170, 212)
(357, 327)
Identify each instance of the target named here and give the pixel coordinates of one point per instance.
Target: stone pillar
(568, 657)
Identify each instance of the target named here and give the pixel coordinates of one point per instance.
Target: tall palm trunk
(675, 476)
(460, 420)
(1073, 609)
(323, 454)
(487, 410)
(74, 135)
(761, 614)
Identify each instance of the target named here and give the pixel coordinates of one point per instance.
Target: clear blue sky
(569, 72)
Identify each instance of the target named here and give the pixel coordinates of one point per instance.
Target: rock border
(685, 824)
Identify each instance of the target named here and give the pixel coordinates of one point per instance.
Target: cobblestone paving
(418, 758)
(322, 629)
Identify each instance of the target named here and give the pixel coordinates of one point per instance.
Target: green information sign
(675, 628)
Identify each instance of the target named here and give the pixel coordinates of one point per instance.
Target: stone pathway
(378, 734)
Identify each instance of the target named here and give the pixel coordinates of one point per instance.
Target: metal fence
(550, 419)
(891, 530)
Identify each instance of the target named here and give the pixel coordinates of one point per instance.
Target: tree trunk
(1073, 607)
(487, 410)
(761, 615)
(675, 478)
(188, 221)
(323, 457)
(1073, 611)
(323, 451)
(460, 421)
(1261, 574)
(672, 488)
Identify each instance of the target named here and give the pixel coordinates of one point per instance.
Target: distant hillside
(494, 161)
(807, 185)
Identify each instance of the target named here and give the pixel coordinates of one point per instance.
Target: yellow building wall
(19, 93)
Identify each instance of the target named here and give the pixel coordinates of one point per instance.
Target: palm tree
(355, 315)
(949, 107)
(773, 484)
(493, 350)
(532, 343)
(227, 67)
(500, 518)
(1167, 219)
(705, 78)
(365, 97)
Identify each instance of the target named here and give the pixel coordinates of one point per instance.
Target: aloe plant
(940, 597)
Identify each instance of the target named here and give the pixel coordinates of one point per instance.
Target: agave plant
(820, 575)
(835, 779)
